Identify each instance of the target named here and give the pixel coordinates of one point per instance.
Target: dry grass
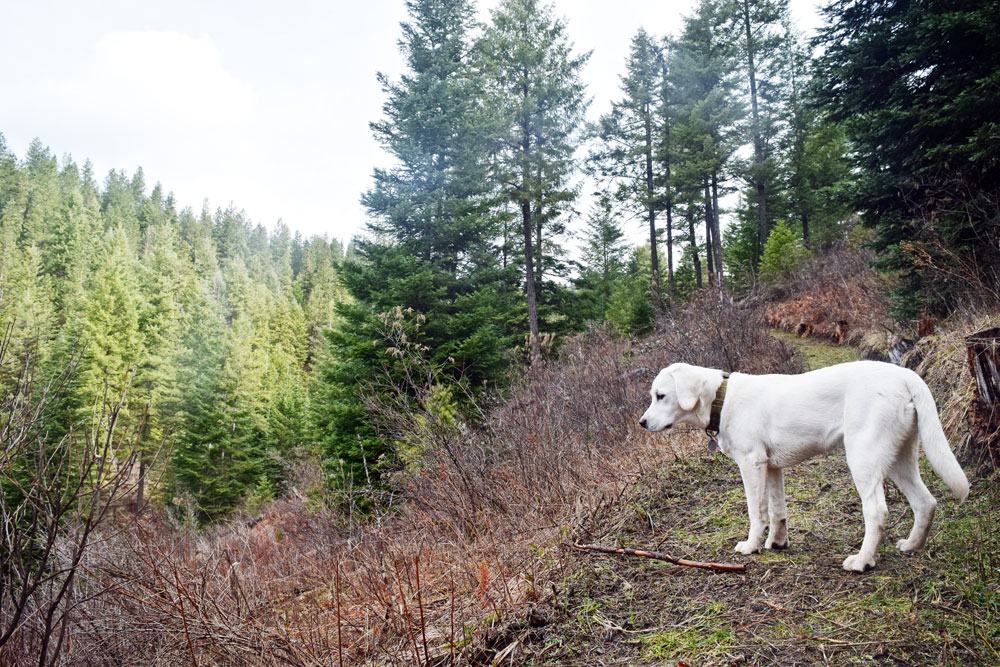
(941, 359)
(837, 297)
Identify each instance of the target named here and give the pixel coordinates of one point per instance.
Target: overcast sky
(262, 104)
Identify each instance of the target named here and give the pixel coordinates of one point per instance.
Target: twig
(658, 555)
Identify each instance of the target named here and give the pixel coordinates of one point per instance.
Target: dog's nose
(642, 423)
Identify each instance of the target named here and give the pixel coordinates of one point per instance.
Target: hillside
(222, 443)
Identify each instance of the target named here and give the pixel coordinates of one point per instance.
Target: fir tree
(914, 84)
(534, 86)
(630, 139)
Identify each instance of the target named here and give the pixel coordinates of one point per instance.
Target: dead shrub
(837, 296)
(718, 332)
(443, 578)
(941, 359)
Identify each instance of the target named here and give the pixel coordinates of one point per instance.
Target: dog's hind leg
(754, 475)
(906, 474)
(777, 512)
(867, 469)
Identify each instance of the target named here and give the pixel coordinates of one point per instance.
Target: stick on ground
(658, 555)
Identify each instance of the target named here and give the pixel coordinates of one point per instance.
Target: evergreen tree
(764, 37)
(107, 335)
(630, 137)
(707, 131)
(914, 84)
(816, 168)
(784, 252)
(432, 228)
(119, 206)
(534, 86)
(604, 261)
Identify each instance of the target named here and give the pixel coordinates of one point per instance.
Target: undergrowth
(469, 567)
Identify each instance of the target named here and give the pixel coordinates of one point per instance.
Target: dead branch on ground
(658, 555)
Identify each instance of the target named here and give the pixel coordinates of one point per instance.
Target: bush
(784, 253)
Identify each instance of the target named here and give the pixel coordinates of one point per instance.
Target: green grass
(816, 353)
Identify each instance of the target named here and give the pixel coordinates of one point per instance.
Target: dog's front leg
(754, 473)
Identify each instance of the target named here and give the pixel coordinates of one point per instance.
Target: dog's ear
(689, 385)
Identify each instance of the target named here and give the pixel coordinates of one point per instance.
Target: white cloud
(166, 78)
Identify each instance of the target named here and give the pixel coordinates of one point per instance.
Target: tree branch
(724, 567)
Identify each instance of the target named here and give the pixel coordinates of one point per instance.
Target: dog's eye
(659, 396)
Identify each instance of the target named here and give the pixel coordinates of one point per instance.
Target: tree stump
(983, 353)
(983, 350)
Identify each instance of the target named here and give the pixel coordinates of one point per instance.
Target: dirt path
(817, 353)
(794, 607)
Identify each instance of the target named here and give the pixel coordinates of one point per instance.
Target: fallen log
(658, 555)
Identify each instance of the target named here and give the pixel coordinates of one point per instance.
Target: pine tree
(534, 86)
(42, 201)
(816, 168)
(107, 334)
(430, 247)
(119, 205)
(604, 261)
(763, 40)
(630, 140)
(914, 84)
(707, 131)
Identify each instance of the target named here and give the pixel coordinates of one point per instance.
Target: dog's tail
(935, 443)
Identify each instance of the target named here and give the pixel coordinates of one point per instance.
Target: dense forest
(245, 349)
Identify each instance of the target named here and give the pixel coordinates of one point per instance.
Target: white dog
(769, 422)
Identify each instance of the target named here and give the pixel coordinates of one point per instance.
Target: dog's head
(680, 395)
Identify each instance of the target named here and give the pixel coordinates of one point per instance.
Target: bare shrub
(56, 496)
(942, 361)
(718, 332)
(837, 295)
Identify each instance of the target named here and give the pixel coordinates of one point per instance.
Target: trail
(817, 353)
(792, 607)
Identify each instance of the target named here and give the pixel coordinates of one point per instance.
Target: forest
(190, 371)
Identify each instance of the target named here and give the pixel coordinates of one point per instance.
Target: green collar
(720, 397)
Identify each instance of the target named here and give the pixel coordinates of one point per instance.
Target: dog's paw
(857, 564)
(776, 545)
(906, 546)
(746, 547)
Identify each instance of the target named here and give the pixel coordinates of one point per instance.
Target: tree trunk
(694, 247)
(758, 144)
(710, 241)
(529, 282)
(536, 219)
(805, 230)
(668, 193)
(716, 225)
(670, 253)
(651, 211)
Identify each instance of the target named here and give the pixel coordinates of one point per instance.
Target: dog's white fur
(876, 411)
